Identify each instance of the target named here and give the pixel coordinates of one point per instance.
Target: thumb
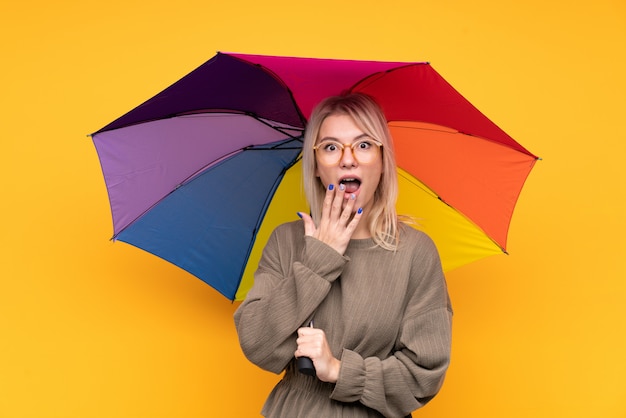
(309, 225)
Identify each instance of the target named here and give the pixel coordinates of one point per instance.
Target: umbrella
(201, 173)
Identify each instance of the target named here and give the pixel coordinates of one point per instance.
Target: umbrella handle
(305, 366)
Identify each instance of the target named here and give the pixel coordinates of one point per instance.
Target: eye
(330, 146)
(363, 145)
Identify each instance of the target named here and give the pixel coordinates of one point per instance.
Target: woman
(350, 287)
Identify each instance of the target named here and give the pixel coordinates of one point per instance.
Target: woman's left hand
(312, 343)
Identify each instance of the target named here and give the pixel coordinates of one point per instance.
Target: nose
(347, 157)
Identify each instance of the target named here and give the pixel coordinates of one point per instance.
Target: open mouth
(351, 184)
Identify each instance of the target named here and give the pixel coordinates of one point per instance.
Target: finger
(349, 207)
(310, 343)
(328, 201)
(305, 331)
(309, 225)
(338, 202)
(355, 220)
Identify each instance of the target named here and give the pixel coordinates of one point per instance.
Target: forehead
(341, 128)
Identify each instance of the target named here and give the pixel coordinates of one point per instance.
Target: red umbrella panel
(170, 164)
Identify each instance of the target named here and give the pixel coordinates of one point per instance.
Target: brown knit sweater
(386, 315)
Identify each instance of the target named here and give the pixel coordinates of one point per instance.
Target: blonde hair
(369, 117)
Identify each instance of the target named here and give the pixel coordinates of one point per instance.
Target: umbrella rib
(246, 148)
(434, 194)
(455, 131)
(262, 214)
(276, 146)
(282, 130)
(375, 76)
(176, 187)
(212, 163)
(280, 81)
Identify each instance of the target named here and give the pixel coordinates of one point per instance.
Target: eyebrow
(357, 138)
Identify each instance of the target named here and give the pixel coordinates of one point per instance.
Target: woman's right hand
(336, 226)
(312, 343)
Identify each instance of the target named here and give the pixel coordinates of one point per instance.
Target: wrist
(336, 366)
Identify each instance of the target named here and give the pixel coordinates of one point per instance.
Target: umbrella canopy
(201, 173)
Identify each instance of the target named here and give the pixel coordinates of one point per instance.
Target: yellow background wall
(89, 328)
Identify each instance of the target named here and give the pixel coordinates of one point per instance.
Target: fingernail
(331, 186)
(360, 211)
(342, 187)
(299, 214)
(352, 196)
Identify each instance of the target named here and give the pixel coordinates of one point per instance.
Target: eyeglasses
(330, 152)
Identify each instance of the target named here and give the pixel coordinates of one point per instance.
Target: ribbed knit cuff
(351, 381)
(322, 259)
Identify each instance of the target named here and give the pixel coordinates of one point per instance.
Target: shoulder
(288, 234)
(289, 230)
(428, 280)
(414, 237)
(285, 241)
(418, 245)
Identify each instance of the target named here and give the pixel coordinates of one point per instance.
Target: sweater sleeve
(294, 275)
(413, 373)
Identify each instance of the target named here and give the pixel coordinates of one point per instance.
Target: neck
(362, 231)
